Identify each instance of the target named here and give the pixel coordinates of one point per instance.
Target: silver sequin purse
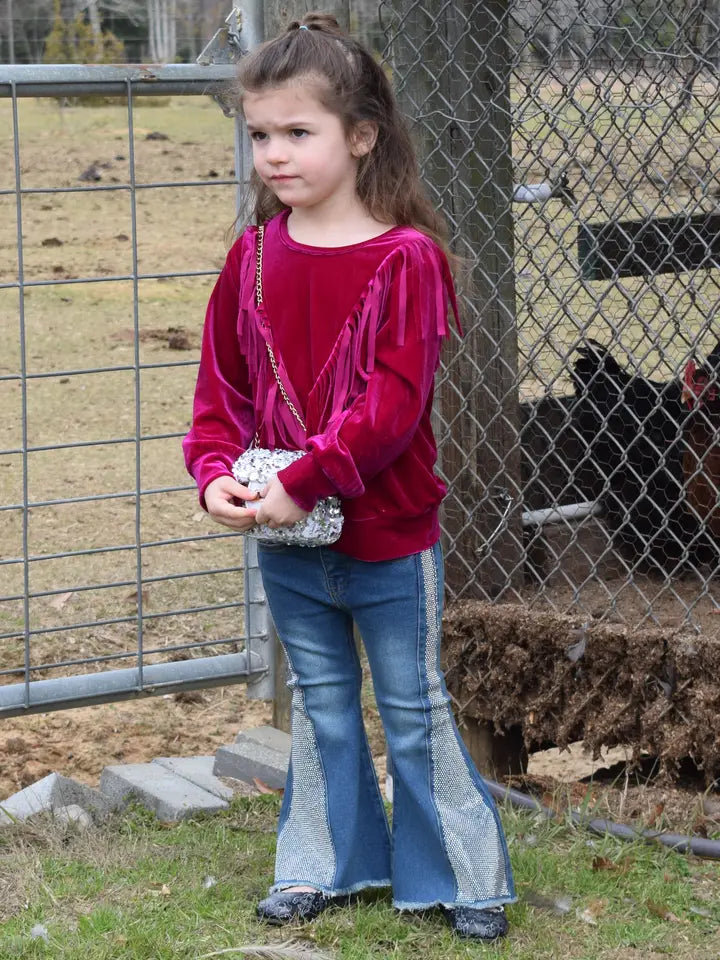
(257, 466)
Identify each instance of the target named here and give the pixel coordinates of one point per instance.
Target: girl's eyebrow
(292, 125)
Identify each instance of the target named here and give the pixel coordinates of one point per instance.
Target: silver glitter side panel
(469, 828)
(305, 850)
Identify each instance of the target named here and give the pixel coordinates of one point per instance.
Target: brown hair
(356, 89)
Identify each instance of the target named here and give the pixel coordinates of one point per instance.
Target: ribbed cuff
(305, 482)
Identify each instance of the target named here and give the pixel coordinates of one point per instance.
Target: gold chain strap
(259, 298)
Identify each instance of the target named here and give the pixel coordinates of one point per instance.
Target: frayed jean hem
(330, 891)
(473, 904)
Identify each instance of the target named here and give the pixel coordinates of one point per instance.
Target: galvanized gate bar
(146, 80)
(64, 693)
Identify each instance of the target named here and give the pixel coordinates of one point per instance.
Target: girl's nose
(275, 151)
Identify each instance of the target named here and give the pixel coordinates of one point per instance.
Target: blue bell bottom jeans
(447, 844)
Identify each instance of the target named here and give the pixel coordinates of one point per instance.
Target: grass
(137, 888)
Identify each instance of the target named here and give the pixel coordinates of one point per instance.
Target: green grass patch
(136, 888)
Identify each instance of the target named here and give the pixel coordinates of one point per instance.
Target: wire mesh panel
(572, 145)
(113, 582)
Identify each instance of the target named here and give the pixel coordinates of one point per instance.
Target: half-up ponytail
(324, 22)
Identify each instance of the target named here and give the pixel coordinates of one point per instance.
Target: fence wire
(104, 560)
(573, 146)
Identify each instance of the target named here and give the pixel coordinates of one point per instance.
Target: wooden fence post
(279, 13)
(452, 70)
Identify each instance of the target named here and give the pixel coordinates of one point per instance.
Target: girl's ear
(363, 137)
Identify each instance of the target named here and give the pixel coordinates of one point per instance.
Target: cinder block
(198, 770)
(49, 793)
(170, 797)
(266, 736)
(245, 760)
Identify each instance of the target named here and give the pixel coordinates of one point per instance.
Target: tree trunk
(94, 17)
(162, 30)
(697, 60)
(11, 32)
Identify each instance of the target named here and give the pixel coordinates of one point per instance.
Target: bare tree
(24, 24)
(162, 30)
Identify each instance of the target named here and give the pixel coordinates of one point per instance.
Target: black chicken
(633, 430)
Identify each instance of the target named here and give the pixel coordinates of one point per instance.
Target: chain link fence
(573, 146)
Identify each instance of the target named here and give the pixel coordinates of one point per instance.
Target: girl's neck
(334, 227)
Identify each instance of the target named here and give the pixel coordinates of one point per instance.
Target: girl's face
(300, 150)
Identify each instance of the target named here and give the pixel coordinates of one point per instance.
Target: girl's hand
(278, 509)
(221, 496)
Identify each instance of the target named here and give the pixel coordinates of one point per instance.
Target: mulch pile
(561, 679)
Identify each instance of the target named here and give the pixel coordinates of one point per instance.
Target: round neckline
(311, 248)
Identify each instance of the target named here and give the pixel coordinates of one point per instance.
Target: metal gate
(111, 585)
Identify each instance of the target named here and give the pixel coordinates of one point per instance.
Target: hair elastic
(303, 27)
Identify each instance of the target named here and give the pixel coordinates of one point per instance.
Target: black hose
(700, 846)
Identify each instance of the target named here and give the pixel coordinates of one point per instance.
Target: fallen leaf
(264, 788)
(592, 911)
(60, 599)
(662, 911)
(602, 863)
(160, 890)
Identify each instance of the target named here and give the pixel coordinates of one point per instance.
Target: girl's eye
(298, 133)
(258, 136)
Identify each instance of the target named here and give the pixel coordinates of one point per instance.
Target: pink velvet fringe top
(357, 333)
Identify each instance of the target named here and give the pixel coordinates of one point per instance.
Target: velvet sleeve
(379, 424)
(223, 417)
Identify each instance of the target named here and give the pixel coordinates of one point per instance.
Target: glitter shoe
(476, 923)
(287, 906)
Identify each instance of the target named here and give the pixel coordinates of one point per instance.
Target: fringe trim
(424, 289)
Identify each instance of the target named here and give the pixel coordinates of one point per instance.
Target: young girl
(356, 291)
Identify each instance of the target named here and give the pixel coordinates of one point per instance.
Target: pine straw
(562, 680)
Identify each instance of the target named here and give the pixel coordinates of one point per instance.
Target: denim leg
(448, 842)
(332, 833)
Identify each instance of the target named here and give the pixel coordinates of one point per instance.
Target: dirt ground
(79, 743)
